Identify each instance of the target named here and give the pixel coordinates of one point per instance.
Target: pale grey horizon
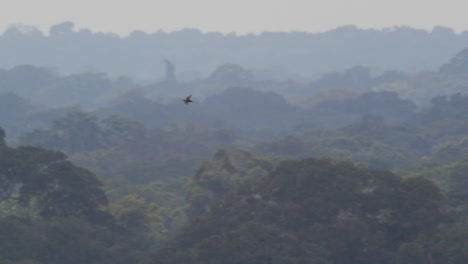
(240, 16)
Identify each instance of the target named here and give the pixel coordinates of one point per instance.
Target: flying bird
(187, 99)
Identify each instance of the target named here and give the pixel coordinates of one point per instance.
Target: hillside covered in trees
(350, 167)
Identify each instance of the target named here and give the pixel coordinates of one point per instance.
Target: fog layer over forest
(348, 146)
(269, 55)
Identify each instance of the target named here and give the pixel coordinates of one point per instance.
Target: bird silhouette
(187, 99)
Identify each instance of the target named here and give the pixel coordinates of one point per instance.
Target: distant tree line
(271, 55)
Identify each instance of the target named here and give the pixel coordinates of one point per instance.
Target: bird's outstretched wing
(187, 99)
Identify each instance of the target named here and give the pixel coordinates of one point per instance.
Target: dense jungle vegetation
(349, 168)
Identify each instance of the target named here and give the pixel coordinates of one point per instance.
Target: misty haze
(348, 146)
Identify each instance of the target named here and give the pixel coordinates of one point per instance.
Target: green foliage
(380, 146)
(20, 241)
(59, 187)
(118, 130)
(322, 210)
(159, 208)
(451, 246)
(452, 150)
(53, 212)
(75, 132)
(414, 253)
(225, 172)
(256, 243)
(458, 189)
(137, 216)
(452, 177)
(239, 208)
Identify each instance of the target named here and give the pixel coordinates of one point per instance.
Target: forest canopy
(362, 163)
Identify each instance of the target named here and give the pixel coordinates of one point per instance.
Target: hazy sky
(241, 16)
